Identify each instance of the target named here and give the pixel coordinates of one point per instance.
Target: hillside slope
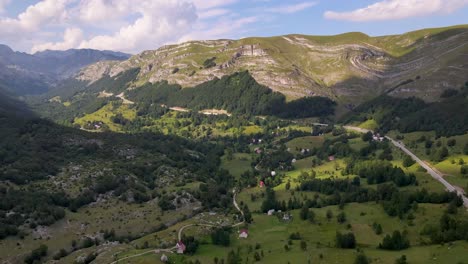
(349, 68)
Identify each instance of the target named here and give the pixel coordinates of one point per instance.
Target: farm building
(244, 233)
(180, 247)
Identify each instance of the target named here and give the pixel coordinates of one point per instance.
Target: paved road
(429, 170)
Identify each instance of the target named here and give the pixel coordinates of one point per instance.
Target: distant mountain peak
(24, 73)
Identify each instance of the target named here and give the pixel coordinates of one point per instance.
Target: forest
(447, 116)
(33, 149)
(238, 94)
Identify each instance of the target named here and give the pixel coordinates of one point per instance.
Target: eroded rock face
(96, 71)
(295, 65)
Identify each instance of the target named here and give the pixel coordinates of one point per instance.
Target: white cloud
(397, 9)
(129, 25)
(93, 11)
(35, 16)
(159, 22)
(71, 39)
(290, 9)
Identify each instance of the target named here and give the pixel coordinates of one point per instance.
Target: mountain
(349, 68)
(24, 73)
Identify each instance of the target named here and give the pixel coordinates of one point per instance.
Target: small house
(294, 161)
(286, 217)
(273, 173)
(271, 212)
(180, 247)
(331, 158)
(164, 258)
(244, 233)
(262, 184)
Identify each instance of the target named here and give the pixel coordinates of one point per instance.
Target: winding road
(181, 230)
(429, 170)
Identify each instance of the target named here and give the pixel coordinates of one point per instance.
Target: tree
(408, 161)
(464, 170)
(401, 260)
(345, 240)
(303, 245)
(361, 259)
(191, 245)
(451, 142)
(397, 241)
(311, 216)
(304, 214)
(229, 154)
(377, 228)
(270, 201)
(367, 136)
(233, 257)
(329, 215)
(36, 254)
(341, 217)
(221, 237)
(247, 214)
(443, 153)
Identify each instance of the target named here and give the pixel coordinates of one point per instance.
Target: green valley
(288, 149)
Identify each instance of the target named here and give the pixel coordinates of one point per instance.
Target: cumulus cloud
(159, 22)
(71, 39)
(397, 9)
(129, 25)
(290, 9)
(34, 17)
(93, 11)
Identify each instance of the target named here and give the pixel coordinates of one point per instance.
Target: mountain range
(24, 73)
(258, 150)
(349, 68)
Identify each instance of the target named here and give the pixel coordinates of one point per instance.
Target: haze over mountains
(24, 73)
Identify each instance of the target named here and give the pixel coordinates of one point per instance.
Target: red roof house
(244, 233)
(180, 247)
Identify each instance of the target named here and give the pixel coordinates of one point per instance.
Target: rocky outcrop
(347, 66)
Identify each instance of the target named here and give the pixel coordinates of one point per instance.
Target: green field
(309, 142)
(239, 163)
(272, 234)
(105, 115)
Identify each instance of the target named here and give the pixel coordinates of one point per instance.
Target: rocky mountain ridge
(349, 68)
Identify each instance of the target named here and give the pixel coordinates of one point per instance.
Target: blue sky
(133, 26)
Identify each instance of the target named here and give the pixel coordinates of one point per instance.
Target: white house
(164, 258)
(244, 233)
(180, 247)
(271, 212)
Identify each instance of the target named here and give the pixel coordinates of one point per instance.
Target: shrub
(345, 240)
